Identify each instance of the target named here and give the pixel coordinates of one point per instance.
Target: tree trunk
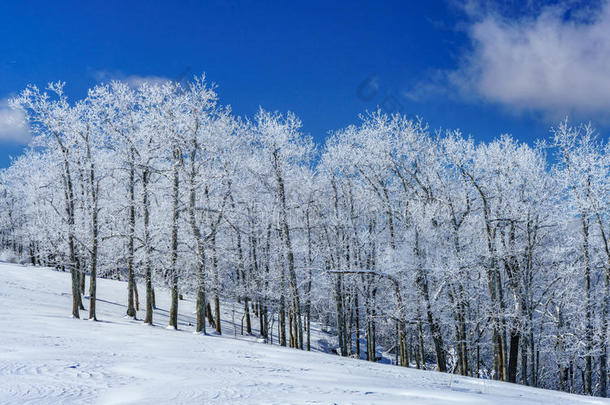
(173, 311)
(292, 278)
(282, 312)
(131, 312)
(588, 322)
(216, 286)
(69, 201)
(201, 304)
(150, 294)
(513, 355)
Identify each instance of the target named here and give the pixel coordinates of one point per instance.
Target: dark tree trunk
(513, 356)
(131, 311)
(173, 311)
(150, 293)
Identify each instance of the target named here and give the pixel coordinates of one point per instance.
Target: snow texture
(48, 358)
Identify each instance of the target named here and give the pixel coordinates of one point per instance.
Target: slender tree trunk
(524, 365)
(340, 320)
(292, 278)
(200, 265)
(173, 312)
(357, 316)
(308, 285)
(80, 276)
(435, 329)
(216, 286)
(81, 279)
(150, 294)
(69, 201)
(131, 312)
(603, 358)
(201, 303)
(420, 338)
(93, 274)
(588, 322)
(210, 316)
(282, 312)
(241, 267)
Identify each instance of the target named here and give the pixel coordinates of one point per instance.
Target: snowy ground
(48, 358)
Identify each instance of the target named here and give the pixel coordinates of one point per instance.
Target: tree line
(487, 259)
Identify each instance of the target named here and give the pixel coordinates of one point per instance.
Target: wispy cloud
(131, 80)
(136, 81)
(13, 126)
(554, 60)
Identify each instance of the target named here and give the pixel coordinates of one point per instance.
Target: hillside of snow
(48, 358)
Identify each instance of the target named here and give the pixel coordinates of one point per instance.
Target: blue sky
(452, 63)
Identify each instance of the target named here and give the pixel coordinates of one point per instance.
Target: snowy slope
(48, 358)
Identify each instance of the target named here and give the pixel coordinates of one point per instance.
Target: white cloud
(548, 63)
(13, 126)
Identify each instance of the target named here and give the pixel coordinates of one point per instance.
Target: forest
(484, 259)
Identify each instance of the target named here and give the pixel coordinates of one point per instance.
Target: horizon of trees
(484, 259)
